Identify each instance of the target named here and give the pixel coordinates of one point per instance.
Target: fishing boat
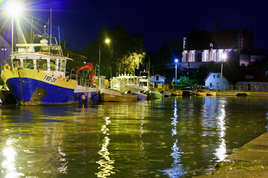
(36, 75)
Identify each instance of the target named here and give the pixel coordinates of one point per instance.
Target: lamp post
(223, 58)
(176, 62)
(144, 53)
(13, 9)
(106, 41)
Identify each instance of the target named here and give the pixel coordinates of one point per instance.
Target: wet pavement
(251, 160)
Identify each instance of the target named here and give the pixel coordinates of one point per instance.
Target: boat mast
(50, 26)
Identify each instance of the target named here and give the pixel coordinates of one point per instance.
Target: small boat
(165, 93)
(175, 92)
(140, 95)
(188, 93)
(211, 93)
(154, 94)
(241, 94)
(129, 97)
(200, 93)
(108, 95)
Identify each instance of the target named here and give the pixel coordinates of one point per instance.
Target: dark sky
(156, 20)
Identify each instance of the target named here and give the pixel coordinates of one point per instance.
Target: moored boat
(140, 95)
(175, 92)
(154, 94)
(165, 93)
(200, 93)
(188, 93)
(211, 93)
(36, 75)
(108, 95)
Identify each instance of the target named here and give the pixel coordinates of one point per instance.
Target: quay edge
(251, 160)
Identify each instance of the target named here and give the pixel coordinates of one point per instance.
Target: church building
(201, 47)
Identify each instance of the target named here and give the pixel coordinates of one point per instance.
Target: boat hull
(154, 95)
(106, 97)
(32, 87)
(199, 93)
(140, 96)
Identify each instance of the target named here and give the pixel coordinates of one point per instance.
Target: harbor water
(170, 137)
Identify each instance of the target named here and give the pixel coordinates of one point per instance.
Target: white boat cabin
(40, 56)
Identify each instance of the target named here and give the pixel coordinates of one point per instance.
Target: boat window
(42, 64)
(62, 65)
(131, 81)
(28, 63)
(16, 63)
(59, 63)
(124, 81)
(52, 64)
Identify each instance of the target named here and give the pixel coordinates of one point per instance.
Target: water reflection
(221, 151)
(177, 169)
(267, 121)
(106, 164)
(9, 160)
(63, 167)
(173, 137)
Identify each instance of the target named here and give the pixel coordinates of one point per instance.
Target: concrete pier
(251, 160)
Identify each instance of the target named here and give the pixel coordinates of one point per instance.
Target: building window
(214, 56)
(213, 76)
(218, 76)
(210, 85)
(157, 77)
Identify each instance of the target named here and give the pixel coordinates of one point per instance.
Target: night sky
(155, 20)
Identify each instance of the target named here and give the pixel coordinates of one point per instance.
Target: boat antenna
(59, 33)
(50, 25)
(31, 38)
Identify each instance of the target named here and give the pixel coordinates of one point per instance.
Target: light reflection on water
(173, 137)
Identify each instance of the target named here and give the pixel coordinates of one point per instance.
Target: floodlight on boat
(14, 8)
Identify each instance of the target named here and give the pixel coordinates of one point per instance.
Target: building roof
(221, 39)
(215, 73)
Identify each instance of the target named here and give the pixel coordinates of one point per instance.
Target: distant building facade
(252, 80)
(201, 47)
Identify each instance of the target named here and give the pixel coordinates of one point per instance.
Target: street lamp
(144, 53)
(176, 62)
(223, 58)
(106, 41)
(13, 9)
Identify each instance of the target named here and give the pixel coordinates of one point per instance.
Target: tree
(123, 54)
